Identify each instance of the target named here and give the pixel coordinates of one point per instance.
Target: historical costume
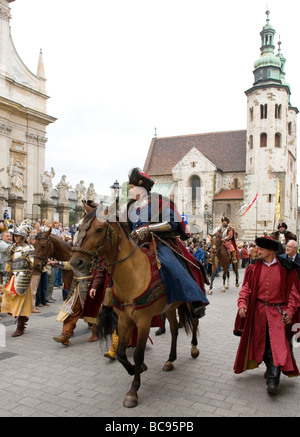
(151, 213)
(16, 299)
(269, 307)
(227, 234)
(283, 236)
(79, 303)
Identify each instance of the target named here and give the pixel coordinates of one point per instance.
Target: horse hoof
(195, 352)
(237, 285)
(209, 292)
(131, 400)
(168, 366)
(223, 290)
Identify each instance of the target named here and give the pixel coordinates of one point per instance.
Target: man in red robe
(268, 315)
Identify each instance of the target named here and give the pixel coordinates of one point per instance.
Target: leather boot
(94, 336)
(272, 373)
(114, 346)
(198, 309)
(20, 326)
(233, 257)
(67, 332)
(273, 376)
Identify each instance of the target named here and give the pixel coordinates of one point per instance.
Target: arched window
(277, 139)
(263, 140)
(235, 183)
(251, 142)
(277, 111)
(263, 111)
(195, 183)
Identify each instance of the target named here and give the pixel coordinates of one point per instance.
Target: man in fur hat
(152, 213)
(283, 236)
(268, 315)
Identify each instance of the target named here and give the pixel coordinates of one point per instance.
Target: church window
(270, 198)
(263, 140)
(290, 128)
(263, 111)
(277, 139)
(251, 142)
(235, 183)
(278, 111)
(195, 182)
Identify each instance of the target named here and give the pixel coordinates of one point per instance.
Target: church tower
(271, 155)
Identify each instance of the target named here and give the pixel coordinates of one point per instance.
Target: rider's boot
(233, 257)
(114, 346)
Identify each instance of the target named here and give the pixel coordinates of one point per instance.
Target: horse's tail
(185, 318)
(105, 322)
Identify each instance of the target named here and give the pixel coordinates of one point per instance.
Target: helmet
(20, 231)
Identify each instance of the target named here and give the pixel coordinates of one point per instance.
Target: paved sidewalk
(42, 378)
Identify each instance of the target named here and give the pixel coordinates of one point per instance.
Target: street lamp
(116, 190)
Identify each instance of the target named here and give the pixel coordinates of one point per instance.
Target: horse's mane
(92, 214)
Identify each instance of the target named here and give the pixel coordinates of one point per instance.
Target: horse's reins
(175, 251)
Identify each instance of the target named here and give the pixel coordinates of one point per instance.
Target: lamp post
(208, 218)
(116, 190)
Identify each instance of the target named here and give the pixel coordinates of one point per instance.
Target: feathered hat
(140, 179)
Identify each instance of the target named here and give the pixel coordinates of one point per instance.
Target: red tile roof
(230, 194)
(227, 150)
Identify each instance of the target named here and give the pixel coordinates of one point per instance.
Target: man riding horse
(227, 235)
(152, 213)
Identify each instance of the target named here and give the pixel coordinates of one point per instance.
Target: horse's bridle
(95, 255)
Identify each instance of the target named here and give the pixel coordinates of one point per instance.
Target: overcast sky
(117, 69)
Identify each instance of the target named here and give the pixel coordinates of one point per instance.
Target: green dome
(267, 59)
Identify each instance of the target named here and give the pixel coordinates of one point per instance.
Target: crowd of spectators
(41, 285)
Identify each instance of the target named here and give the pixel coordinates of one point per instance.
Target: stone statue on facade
(63, 190)
(16, 179)
(47, 184)
(80, 192)
(91, 193)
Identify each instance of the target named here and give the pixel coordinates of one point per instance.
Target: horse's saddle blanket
(154, 291)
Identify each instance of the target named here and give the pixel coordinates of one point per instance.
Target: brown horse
(220, 257)
(47, 246)
(130, 270)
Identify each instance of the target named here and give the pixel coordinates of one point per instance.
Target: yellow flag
(277, 205)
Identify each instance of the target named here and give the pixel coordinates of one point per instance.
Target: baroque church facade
(23, 123)
(247, 175)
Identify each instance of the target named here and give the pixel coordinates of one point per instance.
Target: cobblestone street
(43, 378)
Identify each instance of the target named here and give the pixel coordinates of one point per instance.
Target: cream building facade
(248, 175)
(23, 123)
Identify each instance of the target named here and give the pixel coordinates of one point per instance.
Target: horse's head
(42, 250)
(215, 244)
(95, 237)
